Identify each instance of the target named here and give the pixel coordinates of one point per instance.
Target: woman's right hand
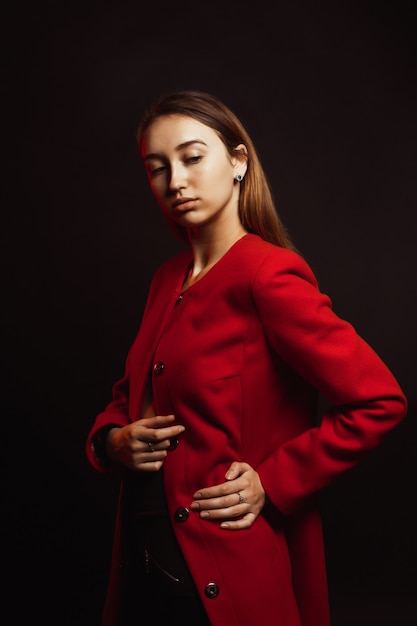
(143, 445)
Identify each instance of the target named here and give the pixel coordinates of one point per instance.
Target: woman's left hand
(237, 502)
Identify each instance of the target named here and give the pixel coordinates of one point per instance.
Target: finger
(235, 470)
(146, 454)
(156, 421)
(222, 502)
(151, 457)
(156, 427)
(220, 508)
(240, 524)
(217, 491)
(155, 435)
(224, 514)
(154, 446)
(149, 466)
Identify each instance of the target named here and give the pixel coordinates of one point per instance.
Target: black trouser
(159, 585)
(149, 600)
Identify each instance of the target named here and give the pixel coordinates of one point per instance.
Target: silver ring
(240, 497)
(151, 448)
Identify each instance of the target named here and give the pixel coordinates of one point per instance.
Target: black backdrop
(328, 92)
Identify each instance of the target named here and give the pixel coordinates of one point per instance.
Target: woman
(213, 426)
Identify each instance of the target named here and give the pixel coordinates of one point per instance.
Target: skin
(193, 179)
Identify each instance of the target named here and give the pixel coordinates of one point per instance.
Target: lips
(183, 204)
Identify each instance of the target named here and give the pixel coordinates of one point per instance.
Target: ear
(240, 160)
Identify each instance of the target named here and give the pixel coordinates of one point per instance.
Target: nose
(177, 178)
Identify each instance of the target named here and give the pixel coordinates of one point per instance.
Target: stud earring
(239, 177)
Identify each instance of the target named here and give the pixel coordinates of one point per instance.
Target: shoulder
(168, 276)
(172, 267)
(262, 260)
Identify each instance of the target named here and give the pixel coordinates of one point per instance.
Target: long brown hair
(257, 210)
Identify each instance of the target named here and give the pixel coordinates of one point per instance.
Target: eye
(193, 159)
(154, 171)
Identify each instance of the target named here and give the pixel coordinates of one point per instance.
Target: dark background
(328, 92)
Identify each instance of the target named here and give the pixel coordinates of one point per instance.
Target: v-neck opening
(216, 264)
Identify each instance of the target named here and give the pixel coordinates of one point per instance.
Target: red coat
(241, 358)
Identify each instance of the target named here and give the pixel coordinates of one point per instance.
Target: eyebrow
(181, 146)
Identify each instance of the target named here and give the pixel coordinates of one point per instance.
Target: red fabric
(245, 352)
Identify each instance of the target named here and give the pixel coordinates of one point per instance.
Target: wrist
(108, 441)
(99, 444)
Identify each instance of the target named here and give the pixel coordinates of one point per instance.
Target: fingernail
(204, 514)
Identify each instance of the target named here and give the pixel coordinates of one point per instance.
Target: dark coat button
(181, 514)
(158, 368)
(178, 300)
(211, 590)
(173, 443)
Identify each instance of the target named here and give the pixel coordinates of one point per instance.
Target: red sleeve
(367, 401)
(116, 413)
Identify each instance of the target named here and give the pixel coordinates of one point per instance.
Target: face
(190, 172)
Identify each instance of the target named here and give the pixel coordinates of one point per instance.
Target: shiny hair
(257, 211)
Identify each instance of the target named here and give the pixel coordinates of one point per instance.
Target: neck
(207, 250)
